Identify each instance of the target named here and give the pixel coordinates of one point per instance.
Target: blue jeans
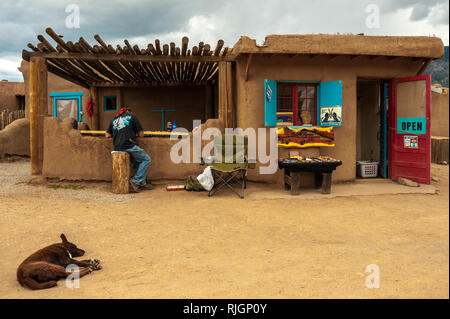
(139, 162)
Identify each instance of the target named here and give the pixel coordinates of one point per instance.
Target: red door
(409, 153)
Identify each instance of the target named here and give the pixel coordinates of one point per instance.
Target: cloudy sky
(142, 21)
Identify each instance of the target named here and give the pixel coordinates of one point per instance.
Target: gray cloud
(22, 20)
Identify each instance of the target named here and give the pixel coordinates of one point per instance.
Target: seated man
(124, 128)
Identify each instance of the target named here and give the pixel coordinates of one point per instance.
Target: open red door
(409, 128)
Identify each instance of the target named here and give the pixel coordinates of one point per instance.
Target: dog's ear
(63, 237)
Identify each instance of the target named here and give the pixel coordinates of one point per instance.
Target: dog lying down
(46, 266)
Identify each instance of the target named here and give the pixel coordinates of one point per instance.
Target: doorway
(371, 125)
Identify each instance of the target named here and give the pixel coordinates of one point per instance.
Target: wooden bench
(322, 174)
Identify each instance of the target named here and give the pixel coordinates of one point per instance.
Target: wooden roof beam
(149, 84)
(219, 46)
(424, 66)
(206, 57)
(57, 38)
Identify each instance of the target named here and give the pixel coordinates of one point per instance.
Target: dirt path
(161, 244)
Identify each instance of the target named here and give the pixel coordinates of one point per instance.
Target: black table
(322, 174)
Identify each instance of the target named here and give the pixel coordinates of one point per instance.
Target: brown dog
(46, 266)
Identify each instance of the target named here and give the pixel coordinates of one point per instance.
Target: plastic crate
(367, 169)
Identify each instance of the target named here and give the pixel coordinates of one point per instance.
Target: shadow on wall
(15, 138)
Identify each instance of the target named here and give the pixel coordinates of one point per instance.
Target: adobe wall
(189, 103)
(69, 155)
(439, 114)
(15, 138)
(8, 92)
(250, 97)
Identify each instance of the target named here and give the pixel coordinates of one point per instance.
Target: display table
(322, 167)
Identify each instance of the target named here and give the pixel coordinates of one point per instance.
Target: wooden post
(120, 172)
(208, 102)
(292, 181)
(38, 110)
(326, 183)
(226, 105)
(295, 183)
(439, 149)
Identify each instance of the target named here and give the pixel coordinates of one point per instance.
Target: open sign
(414, 125)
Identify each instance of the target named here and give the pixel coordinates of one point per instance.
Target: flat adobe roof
(399, 46)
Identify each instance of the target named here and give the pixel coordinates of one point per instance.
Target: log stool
(121, 170)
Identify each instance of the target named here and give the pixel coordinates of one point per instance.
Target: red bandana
(122, 110)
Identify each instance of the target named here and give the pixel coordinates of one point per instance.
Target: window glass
(284, 103)
(299, 98)
(110, 103)
(311, 92)
(412, 99)
(306, 109)
(301, 92)
(67, 108)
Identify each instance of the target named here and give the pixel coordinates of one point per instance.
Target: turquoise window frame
(67, 96)
(317, 99)
(104, 103)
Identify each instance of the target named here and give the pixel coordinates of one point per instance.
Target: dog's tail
(26, 281)
(33, 284)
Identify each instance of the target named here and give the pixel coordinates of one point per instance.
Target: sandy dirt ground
(160, 244)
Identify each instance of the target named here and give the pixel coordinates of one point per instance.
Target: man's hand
(107, 135)
(140, 134)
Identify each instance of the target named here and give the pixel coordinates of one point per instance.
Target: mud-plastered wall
(439, 114)
(8, 93)
(72, 156)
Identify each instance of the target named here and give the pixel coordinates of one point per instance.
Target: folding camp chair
(230, 163)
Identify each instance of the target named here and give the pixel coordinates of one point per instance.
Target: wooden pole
(38, 110)
(226, 114)
(223, 93)
(326, 183)
(208, 102)
(95, 120)
(439, 149)
(230, 97)
(120, 172)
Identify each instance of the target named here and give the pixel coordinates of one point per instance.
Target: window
(289, 103)
(300, 99)
(67, 104)
(110, 103)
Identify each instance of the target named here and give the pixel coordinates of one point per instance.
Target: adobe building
(12, 95)
(439, 111)
(358, 85)
(14, 130)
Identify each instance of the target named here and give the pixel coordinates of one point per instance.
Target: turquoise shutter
(329, 112)
(270, 103)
